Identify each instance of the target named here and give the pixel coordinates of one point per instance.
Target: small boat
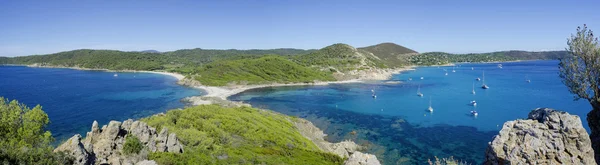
(409, 79)
(374, 96)
(472, 68)
(430, 109)
(527, 79)
(473, 103)
(453, 70)
(473, 90)
(419, 91)
(484, 86)
(478, 79)
(422, 78)
(446, 74)
(474, 113)
(500, 66)
(116, 75)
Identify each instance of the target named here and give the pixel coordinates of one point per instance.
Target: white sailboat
(446, 74)
(430, 109)
(484, 86)
(373, 94)
(419, 91)
(527, 79)
(453, 70)
(474, 103)
(472, 68)
(116, 75)
(473, 90)
(422, 78)
(474, 113)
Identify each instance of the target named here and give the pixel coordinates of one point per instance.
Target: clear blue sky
(39, 27)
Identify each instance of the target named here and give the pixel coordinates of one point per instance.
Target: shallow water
(396, 125)
(73, 99)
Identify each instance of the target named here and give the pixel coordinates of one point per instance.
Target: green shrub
(132, 145)
(23, 139)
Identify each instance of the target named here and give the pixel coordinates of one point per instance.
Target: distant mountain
(150, 51)
(391, 54)
(440, 58)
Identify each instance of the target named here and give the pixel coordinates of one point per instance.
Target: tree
(580, 72)
(23, 136)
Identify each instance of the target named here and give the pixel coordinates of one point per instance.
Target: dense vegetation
(212, 134)
(391, 54)
(440, 58)
(222, 67)
(23, 139)
(261, 70)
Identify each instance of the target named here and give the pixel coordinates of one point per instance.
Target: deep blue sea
(396, 126)
(73, 99)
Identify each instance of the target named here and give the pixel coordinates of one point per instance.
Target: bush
(23, 139)
(132, 145)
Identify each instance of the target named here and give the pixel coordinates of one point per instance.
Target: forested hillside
(256, 66)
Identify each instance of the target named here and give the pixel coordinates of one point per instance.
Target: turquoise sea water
(73, 99)
(396, 126)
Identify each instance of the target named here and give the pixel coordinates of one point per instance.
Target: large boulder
(104, 145)
(546, 137)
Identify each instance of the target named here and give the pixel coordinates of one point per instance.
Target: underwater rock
(104, 146)
(546, 137)
(346, 149)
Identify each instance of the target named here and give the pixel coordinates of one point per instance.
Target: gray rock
(359, 158)
(75, 148)
(161, 140)
(111, 131)
(95, 129)
(173, 144)
(546, 137)
(104, 146)
(146, 162)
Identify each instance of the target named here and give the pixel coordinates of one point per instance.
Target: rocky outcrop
(546, 137)
(104, 145)
(347, 149)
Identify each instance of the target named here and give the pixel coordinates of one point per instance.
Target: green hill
(213, 134)
(391, 54)
(98, 59)
(266, 69)
(339, 57)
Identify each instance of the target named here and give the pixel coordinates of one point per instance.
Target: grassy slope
(391, 54)
(265, 69)
(339, 56)
(239, 135)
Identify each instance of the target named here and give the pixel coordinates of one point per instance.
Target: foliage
(212, 134)
(267, 69)
(342, 57)
(391, 54)
(132, 145)
(580, 71)
(24, 140)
